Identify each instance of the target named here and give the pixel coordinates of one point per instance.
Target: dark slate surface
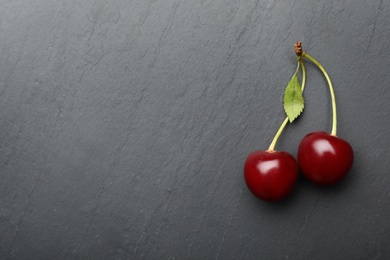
(124, 126)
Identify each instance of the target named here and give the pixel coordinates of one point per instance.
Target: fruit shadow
(289, 202)
(304, 186)
(334, 190)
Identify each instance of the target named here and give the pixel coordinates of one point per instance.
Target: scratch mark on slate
(374, 27)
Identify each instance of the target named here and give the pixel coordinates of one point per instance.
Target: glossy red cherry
(270, 175)
(323, 158)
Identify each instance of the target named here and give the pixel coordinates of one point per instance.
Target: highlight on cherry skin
(270, 175)
(323, 158)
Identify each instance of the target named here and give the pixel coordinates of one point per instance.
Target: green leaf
(293, 99)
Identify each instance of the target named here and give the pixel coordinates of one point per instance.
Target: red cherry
(270, 175)
(323, 158)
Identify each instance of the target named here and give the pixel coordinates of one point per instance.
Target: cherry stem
(334, 124)
(281, 128)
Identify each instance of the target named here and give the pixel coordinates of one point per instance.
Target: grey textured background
(124, 126)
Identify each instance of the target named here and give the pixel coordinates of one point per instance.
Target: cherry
(323, 158)
(270, 175)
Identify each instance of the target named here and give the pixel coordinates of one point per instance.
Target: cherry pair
(323, 158)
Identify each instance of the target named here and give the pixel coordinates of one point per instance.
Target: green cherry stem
(334, 124)
(281, 128)
(303, 74)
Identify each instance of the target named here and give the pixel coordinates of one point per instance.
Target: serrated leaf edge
(297, 113)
